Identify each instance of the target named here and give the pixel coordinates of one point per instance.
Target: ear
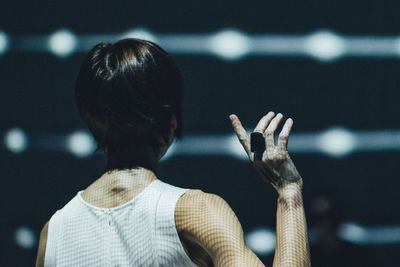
(173, 124)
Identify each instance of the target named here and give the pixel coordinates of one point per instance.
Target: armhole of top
(166, 220)
(51, 242)
(178, 240)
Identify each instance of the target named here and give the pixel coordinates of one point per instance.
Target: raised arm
(276, 167)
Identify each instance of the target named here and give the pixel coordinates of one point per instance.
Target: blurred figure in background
(328, 249)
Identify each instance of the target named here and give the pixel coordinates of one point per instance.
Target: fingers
(263, 123)
(284, 135)
(269, 132)
(241, 133)
(268, 124)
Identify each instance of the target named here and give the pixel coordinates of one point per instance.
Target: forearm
(292, 247)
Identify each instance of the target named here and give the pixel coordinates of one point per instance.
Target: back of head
(127, 93)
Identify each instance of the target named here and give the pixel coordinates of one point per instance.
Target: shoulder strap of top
(52, 237)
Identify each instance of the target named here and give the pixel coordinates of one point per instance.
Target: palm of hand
(275, 164)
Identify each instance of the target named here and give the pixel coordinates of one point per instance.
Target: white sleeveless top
(140, 232)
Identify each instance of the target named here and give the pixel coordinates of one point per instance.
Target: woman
(129, 94)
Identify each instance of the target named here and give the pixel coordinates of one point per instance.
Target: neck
(123, 159)
(122, 181)
(138, 174)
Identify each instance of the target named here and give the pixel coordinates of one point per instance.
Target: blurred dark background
(352, 200)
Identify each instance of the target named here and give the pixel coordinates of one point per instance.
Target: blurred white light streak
(170, 152)
(4, 42)
(80, 144)
(362, 235)
(25, 237)
(378, 140)
(334, 142)
(325, 46)
(337, 142)
(15, 140)
(140, 33)
(228, 44)
(352, 232)
(261, 241)
(235, 148)
(62, 43)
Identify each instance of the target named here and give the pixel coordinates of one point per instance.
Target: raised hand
(275, 164)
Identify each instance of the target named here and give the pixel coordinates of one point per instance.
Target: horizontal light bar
(262, 240)
(228, 44)
(335, 142)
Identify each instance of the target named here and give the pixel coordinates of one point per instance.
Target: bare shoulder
(196, 208)
(44, 231)
(196, 198)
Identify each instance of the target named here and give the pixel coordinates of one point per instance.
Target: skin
(207, 226)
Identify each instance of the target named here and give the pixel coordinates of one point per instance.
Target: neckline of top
(119, 206)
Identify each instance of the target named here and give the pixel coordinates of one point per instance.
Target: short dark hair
(129, 91)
